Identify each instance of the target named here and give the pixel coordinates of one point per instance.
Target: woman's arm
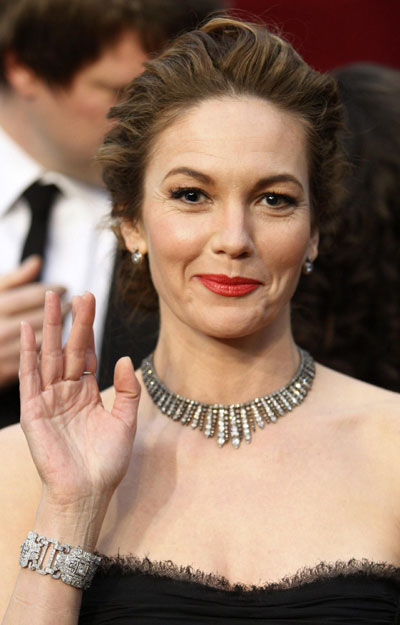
(81, 452)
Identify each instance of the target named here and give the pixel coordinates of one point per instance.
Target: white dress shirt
(80, 246)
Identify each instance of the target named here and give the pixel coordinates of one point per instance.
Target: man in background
(63, 64)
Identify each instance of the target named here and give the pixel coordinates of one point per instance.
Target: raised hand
(81, 450)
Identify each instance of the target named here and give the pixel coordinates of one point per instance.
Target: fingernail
(47, 294)
(32, 258)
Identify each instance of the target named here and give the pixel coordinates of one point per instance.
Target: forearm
(40, 599)
(81, 452)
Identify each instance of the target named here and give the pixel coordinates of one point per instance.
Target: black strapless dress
(128, 591)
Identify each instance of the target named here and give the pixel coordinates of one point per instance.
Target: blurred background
(329, 33)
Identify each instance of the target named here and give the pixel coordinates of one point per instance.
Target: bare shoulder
(20, 490)
(369, 412)
(355, 395)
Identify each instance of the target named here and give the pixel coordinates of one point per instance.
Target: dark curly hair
(348, 312)
(224, 57)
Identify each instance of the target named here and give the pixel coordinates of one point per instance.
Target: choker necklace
(231, 421)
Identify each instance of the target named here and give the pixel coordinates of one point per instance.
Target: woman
(222, 158)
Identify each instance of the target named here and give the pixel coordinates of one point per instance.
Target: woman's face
(226, 196)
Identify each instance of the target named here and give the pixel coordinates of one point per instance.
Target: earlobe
(133, 236)
(312, 253)
(313, 246)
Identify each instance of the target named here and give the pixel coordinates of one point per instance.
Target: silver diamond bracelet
(72, 565)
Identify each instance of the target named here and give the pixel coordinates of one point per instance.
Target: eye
(278, 200)
(189, 195)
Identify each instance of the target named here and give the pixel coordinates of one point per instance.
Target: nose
(233, 235)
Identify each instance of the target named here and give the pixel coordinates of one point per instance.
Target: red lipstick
(229, 287)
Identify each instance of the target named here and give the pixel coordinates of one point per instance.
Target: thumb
(127, 392)
(26, 272)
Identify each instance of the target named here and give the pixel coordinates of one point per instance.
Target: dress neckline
(130, 564)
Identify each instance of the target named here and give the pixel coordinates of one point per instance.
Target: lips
(229, 287)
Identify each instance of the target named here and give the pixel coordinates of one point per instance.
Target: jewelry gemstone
(233, 421)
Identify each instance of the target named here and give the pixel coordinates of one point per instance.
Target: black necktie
(40, 198)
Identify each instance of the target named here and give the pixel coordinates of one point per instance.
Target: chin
(228, 327)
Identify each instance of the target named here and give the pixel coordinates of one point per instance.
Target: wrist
(73, 565)
(78, 523)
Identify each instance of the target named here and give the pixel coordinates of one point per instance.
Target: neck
(212, 370)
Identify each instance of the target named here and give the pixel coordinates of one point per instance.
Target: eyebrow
(263, 182)
(193, 173)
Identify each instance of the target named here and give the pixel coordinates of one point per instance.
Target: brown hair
(348, 312)
(56, 38)
(224, 57)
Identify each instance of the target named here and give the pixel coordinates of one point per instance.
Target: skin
(60, 128)
(323, 481)
(230, 229)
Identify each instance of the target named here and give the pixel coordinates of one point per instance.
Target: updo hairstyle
(225, 57)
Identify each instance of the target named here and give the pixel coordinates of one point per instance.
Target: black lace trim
(126, 565)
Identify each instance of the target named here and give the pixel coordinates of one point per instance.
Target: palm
(79, 448)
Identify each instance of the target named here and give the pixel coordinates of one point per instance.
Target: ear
(134, 236)
(312, 249)
(20, 77)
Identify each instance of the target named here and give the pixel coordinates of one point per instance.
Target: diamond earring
(136, 256)
(308, 267)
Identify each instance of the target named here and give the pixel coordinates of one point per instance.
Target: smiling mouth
(228, 287)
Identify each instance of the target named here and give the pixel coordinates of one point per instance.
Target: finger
(51, 360)
(65, 308)
(91, 359)
(10, 350)
(39, 339)
(9, 368)
(22, 300)
(79, 340)
(127, 389)
(75, 305)
(10, 327)
(29, 378)
(26, 272)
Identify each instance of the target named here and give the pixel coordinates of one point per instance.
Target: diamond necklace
(231, 421)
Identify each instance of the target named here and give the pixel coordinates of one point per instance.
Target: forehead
(231, 134)
(118, 63)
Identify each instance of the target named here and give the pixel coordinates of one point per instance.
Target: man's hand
(21, 299)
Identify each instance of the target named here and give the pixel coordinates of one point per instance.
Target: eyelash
(287, 199)
(180, 192)
(177, 194)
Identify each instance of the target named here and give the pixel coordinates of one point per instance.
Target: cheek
(91, 106)
(172, 245)
(180, 238)
(286, 245)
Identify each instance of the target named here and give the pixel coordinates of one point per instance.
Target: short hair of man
(56, 38)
